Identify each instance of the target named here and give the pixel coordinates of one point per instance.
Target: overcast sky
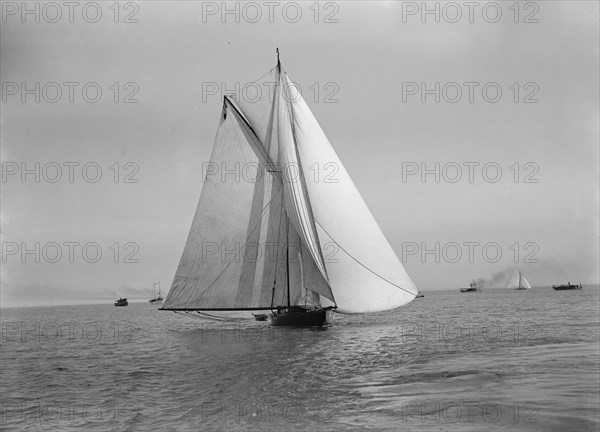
(375, 119)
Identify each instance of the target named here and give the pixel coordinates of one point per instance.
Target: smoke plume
(497, 280)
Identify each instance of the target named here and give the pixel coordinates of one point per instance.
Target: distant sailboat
(517, 281)
(158, 298)
(314, 246)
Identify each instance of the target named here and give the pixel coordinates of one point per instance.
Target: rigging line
(256, 80)
(263, 75)
(350, 255)
(247, 238)
(215, 317)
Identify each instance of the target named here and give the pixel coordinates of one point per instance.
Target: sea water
(494, 360)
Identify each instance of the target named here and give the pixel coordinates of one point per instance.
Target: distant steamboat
(121, 302)
(568, 286)
(472, 288)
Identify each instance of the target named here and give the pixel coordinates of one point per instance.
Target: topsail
(282, 235)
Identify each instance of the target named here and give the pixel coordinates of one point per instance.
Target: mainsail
(517, 281)
(283, 236)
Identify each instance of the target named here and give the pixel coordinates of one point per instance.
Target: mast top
(277, 51)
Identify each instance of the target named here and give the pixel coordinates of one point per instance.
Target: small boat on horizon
(568, 286)
(472, 288)
(121, 302)
(420, 295)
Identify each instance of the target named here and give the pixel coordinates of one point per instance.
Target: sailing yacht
(158, 298)
(517, 281)
(286, 241)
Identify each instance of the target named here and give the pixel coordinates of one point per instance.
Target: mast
(302, 274)
(276, 259)
(287, 258)
(287, 224)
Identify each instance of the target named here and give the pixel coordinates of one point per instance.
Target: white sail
(235, 255)
(347, 246)
(364, 272)
(229, 261)
(516, 280)
(340, 252)
(524, 283)
(269, 118)
(294, 184)
(513, 280)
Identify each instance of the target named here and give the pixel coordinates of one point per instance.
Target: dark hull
(566, 287)
(464, 290)
(300, 317)
(121, 302)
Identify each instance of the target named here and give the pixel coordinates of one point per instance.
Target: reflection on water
(493, 360)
